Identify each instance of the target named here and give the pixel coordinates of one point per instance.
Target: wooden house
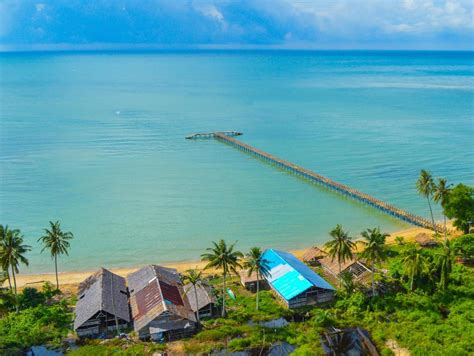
(160, 307)
(102, 305)
(205, 304)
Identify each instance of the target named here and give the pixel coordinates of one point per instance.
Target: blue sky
(323, 24)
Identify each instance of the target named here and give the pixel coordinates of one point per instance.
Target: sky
(297, 24)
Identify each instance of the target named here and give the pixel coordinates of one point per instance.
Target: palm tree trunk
(14, 285)
(411, 282)
(373, 279)
(431, 212)
(339, 275)
(223, 297)
(56, 269)
(445, 229)
(9, 279)
(258, 288)
(197, 304)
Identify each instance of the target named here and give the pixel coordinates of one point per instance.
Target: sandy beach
(70, 280)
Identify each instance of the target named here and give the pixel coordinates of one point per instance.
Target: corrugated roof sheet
(291, 277)
(155, 290)
(204, 296)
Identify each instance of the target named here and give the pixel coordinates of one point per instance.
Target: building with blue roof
(295, 283)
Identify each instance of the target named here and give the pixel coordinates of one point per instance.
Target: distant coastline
(70, 280)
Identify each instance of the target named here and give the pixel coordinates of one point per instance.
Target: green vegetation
(42, 319)
(460, 207)
(374, 249)
(57, 242)
(464, 247)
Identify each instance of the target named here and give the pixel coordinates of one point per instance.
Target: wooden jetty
(213, 134)
(355, 194)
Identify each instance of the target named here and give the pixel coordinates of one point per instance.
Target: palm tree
(440, 194)
(194, 277)
(3, 233)
(444, 264)
(256, 263)
(12, 254)
(340, 246)
(414, 263)
(374, 252)
(225, 258)
(425, 186)
(57, 242)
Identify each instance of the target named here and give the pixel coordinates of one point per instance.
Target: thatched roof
(332, 265)
(245, 278)
(425, 240)
(313, 253)
(102, 291)
(204, 296)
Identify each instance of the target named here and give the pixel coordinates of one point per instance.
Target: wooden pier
(213, 134)
(319, 179)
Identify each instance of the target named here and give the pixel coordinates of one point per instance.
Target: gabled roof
(313, 253)
(204, 296)
(155, 290)
(332, 265)
(245, 278)
(291, 277)
(102, 291)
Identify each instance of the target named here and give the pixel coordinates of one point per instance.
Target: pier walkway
(319, 179)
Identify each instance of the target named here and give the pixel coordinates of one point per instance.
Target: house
(205, 304)
(295, 283)
(312, 255)
(160, 308)
(250, 282)
(356, 267)
(102, 305)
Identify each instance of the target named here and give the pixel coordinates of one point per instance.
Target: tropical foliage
(341, 245)
(425, 187)
(256, 263)
(57, 243)
(460, 207)
(223, 257)
(374, 249)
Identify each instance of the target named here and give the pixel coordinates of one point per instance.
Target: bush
(464, 247)
(34, 326)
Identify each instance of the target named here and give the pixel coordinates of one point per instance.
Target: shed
(250, 282)
(295, 283)
(356, 267)
(205, 304)
(102, 305)
(160, 308)
(425, 240)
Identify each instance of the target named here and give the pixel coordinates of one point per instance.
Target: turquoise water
(96, 140)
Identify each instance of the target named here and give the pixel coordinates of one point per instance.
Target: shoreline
(69, 280)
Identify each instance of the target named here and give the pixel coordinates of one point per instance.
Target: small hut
(356, 267)
(205, 305)
(425, 240)
(250, 282)
(312, 256)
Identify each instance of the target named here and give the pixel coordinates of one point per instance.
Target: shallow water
(96, 140)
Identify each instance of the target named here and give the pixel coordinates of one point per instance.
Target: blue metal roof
(289, 276)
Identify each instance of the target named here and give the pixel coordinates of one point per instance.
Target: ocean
(96, 140)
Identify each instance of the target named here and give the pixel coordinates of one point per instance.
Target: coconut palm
(440, 195)
(3, 234)
(374, 251)
(425, 186)
(340, 247)
(12, 254)
(57, 242)
(444, 264)
(255, 263)
(222, 257)
(414, 263)
(194, 277)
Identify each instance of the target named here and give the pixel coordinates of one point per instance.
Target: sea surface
(96, 140)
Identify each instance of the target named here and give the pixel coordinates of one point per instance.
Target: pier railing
(401, 214)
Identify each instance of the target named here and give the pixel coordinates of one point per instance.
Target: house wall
(99, 325)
